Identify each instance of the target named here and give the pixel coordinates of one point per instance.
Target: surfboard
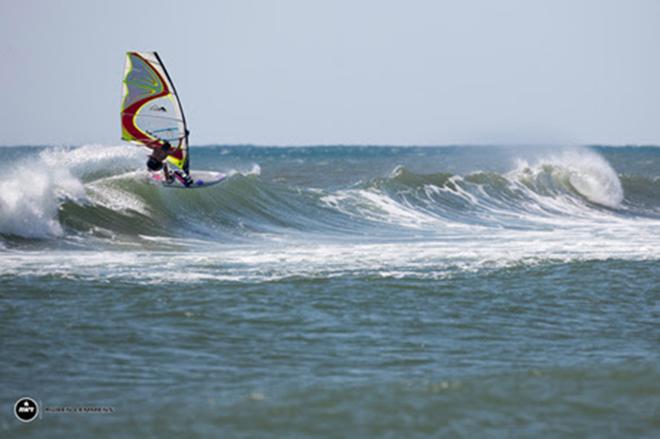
(201, 179)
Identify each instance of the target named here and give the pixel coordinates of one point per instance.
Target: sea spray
(30, 197)
(588, 173)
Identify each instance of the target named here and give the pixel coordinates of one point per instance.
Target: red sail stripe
(127, 115)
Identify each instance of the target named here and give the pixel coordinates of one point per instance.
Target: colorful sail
(151, 112)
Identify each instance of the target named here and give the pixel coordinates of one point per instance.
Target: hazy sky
(334, 71)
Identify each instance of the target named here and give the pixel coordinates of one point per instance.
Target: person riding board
(156, 162)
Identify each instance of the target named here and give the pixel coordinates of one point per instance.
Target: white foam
(589, 173)
(254, 170)
(30, 196)
(543, 189)
(32, 192)
(267, 261)
(375, 205)
(91, 158)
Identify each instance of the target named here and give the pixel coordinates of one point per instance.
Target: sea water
(343, 291)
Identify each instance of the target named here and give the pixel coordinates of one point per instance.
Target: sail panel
(151, 112)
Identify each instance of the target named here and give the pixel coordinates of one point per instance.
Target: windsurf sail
(151, 111)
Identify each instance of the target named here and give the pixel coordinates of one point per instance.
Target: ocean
(339, 291)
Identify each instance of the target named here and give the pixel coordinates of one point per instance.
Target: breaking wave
(87, 191)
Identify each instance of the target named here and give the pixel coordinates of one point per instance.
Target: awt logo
(26, 409)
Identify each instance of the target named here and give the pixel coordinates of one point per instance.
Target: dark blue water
(334, 291)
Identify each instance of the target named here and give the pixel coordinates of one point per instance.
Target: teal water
(334, 291)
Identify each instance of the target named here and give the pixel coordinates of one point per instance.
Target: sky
(306, 72)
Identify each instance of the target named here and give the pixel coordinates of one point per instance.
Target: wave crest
(30, 197)
(583, 172)
(89, 191)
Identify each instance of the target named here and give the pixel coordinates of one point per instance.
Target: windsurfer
(156, 162)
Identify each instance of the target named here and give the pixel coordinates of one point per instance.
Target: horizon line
(345, 145)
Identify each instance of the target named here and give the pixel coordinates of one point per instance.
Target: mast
(183, 115)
